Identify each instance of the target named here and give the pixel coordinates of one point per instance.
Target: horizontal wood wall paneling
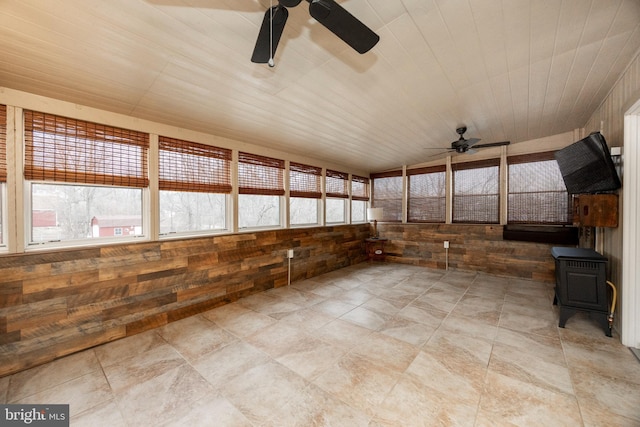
(57, 303)
(472, 247)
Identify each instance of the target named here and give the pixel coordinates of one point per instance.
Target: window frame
(547, 156)
(336, 189)
(477, 165)
(305, 183)
(271, 184)
(385, 203)
(360, 193)
(208, 171)
(442, 169)
(129, 170)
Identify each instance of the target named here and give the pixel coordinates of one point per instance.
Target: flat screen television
(586, 166)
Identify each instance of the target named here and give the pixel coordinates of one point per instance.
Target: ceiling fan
(462, 145)
(329, 13)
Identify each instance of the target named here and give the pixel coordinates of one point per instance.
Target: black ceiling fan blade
(493, 144)
(343, 24)
(471, 142)
(267, 42)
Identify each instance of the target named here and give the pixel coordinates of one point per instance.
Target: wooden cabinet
(595, 210)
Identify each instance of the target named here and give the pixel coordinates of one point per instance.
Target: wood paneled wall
(54, 304)
(57, 303)
(471, 247)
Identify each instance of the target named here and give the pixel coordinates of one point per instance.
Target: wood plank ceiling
(510, 70)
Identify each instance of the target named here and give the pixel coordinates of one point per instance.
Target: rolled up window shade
(304, 181)
(189, 166)
(537, 192)
(476, 192)
(359, 188)
(260, 175)
(386, 193)
(427, 194)
(69, 150)
(336, 184)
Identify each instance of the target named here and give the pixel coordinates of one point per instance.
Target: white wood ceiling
(509, 70)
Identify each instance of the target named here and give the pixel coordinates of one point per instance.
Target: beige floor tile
(384, 306)
(463, 349)
(393, 354)
(221, 367)
(327, 290)
(366, 318)
(116, 351)
(142, 367)
(419, 313)
(509, 401)
(406, 330)
(315, 407)
(81, 393)
(165, 397)
(308, 319)
(333, 307)
(195, 336)
(531, 324)
(446, 291)
(449, 375)
(608, 394)
(296, 296)
(310, 357)
(357, 296)
(527, 367)
(432, 353)
(278, 339)
(399, 296)
(343, 334)
(358, 382)
(50, 375)
(457, 324)
(263, 390)
(211, 410)
(106, 414)
(411, 403)
(246, 323)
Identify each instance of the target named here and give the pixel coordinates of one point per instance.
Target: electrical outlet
(446, 244)
(290, 253)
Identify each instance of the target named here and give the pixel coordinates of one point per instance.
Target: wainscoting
(57, 303)
(479, 248)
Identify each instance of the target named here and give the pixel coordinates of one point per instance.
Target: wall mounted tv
(586, 166)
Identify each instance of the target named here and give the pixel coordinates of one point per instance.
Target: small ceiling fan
(462, 145)
(329, 13)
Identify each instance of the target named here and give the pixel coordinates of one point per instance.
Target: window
(305, 193)
(476, 192)
(386, 193)
(537, 194)
(3, 169)
(359, 198)
(260, 187)
(86, 179)
(427, 194)
(194, 182)
(336, 189)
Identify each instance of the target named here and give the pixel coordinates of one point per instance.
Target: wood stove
(581, 284)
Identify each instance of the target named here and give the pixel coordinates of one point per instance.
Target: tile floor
(368, 345)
